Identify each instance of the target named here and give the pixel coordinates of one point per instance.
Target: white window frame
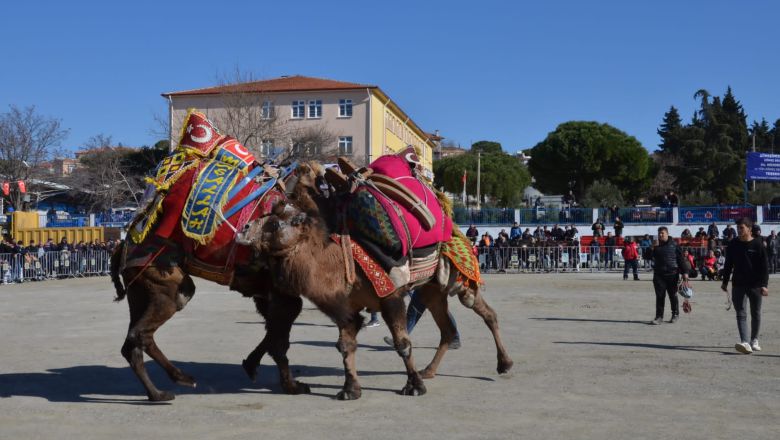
(345, 145)
(267, 111)
(267, 147)
(314, 109)
(345, 108)
(298, 109)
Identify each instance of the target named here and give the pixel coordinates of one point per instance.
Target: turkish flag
(464, 177)
(6, 188)
(22, 187)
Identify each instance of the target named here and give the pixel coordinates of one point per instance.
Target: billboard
(763, 166)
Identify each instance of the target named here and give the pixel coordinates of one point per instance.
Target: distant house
(365, 122)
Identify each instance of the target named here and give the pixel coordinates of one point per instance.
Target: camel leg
(252, 361)
(482, 309)
(166, 307)
(147, 314)
(281, 315)
(280, 312)
(347, 345)
(436, 301)
(394, 313)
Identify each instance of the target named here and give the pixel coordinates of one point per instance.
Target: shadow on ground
(98, 383)
(615, 321)
(728, 351)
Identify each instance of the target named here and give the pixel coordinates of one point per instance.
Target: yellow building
(365, 122)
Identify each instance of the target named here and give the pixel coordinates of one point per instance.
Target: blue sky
(503, 71)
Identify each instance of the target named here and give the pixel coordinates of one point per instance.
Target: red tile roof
(284, 84)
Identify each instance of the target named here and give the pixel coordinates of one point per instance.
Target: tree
(313, 143)
(26, 140)
(248, 116)
(113, 176)
(709, 163)
(487, 147)
(670, 132)
(503, 177)
(602, 193)
(584, 152)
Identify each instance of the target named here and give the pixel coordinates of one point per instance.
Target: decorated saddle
(206, 190)
(393, 213)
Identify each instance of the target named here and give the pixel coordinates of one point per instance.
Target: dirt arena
(587, 366)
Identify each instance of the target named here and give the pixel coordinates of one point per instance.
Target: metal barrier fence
(464, 216)
(530, 259)
(772, 214)
(564, 215)
(648, 214)
(17, 268)
(718, 214)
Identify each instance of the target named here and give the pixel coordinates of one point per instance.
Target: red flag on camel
(22, 187)
(6, 188)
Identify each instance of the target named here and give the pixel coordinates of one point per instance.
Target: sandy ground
(587, 366)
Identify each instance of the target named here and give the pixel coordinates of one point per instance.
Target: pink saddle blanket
(398, 167)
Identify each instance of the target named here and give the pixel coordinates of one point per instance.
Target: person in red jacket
(630, 258)
(707, 268)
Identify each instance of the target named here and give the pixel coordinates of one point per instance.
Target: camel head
(278, 232)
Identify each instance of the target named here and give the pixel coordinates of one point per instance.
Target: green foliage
(584, 152)
(669, 132)
(602, 193)
(765, 192)
(708, 155)
(486, 147)
(503, 177)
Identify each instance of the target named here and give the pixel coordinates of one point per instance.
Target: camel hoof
(297, 388)
(504, 367)
(348, 395)
(250, 370)
(427, 374)
(162, 396)
(411, 390)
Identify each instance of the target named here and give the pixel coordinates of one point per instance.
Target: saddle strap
(405, 197)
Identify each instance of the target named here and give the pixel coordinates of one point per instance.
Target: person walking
(630, 258)
(668, 265)
(746, 258)
(772, 246)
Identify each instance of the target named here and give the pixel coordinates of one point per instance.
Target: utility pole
(479, 171)
(754, 150)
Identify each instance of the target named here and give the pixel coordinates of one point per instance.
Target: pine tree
(670, 132)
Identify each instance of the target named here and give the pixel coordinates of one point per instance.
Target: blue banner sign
(763, 166)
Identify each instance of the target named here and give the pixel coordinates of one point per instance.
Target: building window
(267, 148)
(268, 110)
(345, 108)
(298, 107)
(315, 109)
(345, 145)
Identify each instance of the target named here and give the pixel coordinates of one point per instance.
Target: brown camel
(298, 249)
(157, 290)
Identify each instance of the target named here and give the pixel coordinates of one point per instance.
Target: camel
(306, 261)
(162, 287)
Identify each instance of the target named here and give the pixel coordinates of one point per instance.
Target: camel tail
(116, 263)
